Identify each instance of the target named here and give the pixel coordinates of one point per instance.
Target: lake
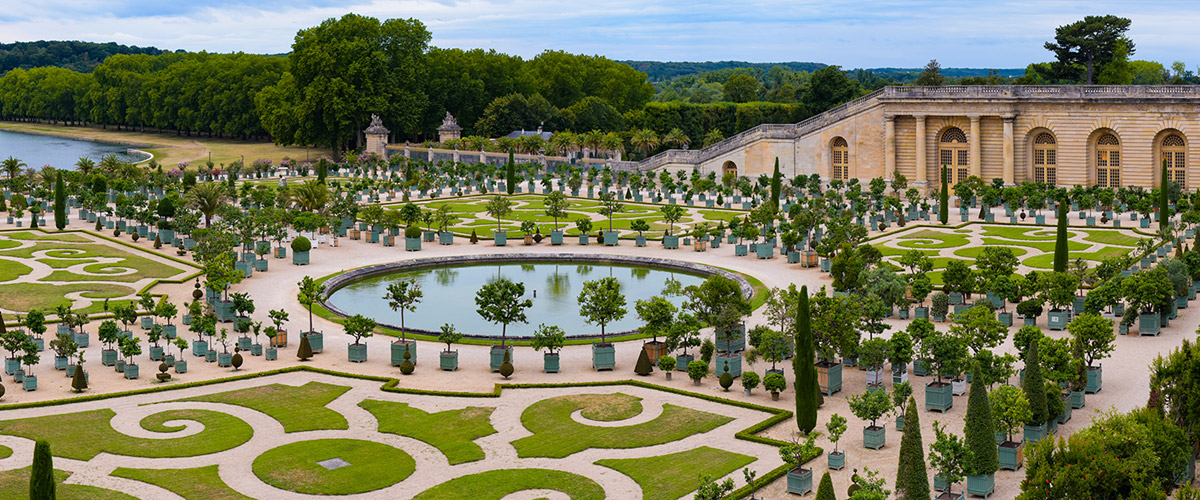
(58, 152)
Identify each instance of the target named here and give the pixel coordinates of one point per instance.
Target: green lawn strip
(200, 483)
(669, 477)
(294, 466)
(60, 257)
(1112, 238)
(26, 296)
(1044, 246)
(15, 484)
(6, 244)
(941, 239)
(1046, 261)
(11, 270)
(5, 452)
(974, 252)
(453, 432)
(1022, 233)
(297, 408)
(83, 435)
(31, 236)
(891, 251)
(497, 484)
(556, 435)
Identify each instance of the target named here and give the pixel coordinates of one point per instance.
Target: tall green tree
(510, 174)
(741, 88)
(912, 480)
(944, 198)
(1061, 252)
(502, 301)
(41, 480)
(829, 87)
(776, 182)
(825, 489)
(1091, 42)
(804, 369)
(1164, 190)
(601, 302)
(931, 76)
(979, 433)
(60, 203)
(1035, 386)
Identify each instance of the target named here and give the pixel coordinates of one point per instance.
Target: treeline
(183, 92)
(73, 55)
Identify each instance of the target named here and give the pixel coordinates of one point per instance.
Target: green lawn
(496, 484)
(294, 466)
(556, 435)
(669, 477)
(920, 239)
(61, 256)
(1046, 261)
(973, 252)
(1044, 246)
(26, 296)
(452, 432)
(297, 408)
(5, 451)
(32, 236)
(15, 484)
(1112, 238)
(1023, 233)
(200, 483)
(11, 270)
(83, 435)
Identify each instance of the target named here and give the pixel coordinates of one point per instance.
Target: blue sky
(850, 33)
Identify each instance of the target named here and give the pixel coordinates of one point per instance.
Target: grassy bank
(169, 148)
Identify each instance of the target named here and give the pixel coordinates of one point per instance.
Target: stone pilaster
(889, 146)
(1009, 174)
(922, 162)
(975, 161)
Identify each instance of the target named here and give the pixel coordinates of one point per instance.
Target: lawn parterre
(463, 433)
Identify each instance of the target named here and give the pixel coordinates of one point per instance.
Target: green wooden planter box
(225, 360)
(131, 372)
(356, 353)
(169, 331)
(1029, 321)
(800, 481)
(244, 343)
(81, 339)
(1149, 324)
(300, 258)
(829, 377)
(940, 399)
(1078, 399)
(398, 349)
(550, 363)
(29, 383)
(498, 356)
(280, 252)
(210, 356)
(556, 238)
(611, 238)
(1094, 380)
(604, 357)
(681, 362)
(147, 322)
(732, 340)
(156, 354)
(734, 360)
(446, 238)
(1006, 318)
(764, 251)
(256, 350)
(982, 485)
(412, 244)
(1058, 320)
(837, 460)
(640, 241)
(199, 347)
(671, 242)
(1011, 455)
(316, 340)
(1034, 433)
(448, 360)
(500, 238)
(874, 437)
(271, 354)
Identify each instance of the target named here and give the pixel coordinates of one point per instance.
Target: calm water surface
(39, 150)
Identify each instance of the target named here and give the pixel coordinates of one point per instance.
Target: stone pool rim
(340, 280)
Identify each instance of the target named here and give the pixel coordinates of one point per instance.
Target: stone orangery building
(1064, 135)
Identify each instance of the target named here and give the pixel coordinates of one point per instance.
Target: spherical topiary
(412, 232)
(726, 380)
(301, 244)
(506, 367)
(237, 360)
(407, 366)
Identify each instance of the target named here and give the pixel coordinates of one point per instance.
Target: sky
(883, 33)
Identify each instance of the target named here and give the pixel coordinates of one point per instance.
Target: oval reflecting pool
(449, 295)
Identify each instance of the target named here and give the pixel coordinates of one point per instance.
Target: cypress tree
(825, 490)
(60, 203)
(912, 481)
(944, 198)
(1060, 242)
(980, 432)
(305, 350)
(1164, 209)
(1035, 386)
(41, 480)
(510, 174)
(776, 184)
(804, 371)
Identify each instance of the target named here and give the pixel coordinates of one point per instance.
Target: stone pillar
(889, 147)
(407, 152)
(922, 162)
(456, 154)
(1009, 177)
(973, 141)
(430, 156)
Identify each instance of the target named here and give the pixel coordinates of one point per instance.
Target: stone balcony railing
(1044, 92)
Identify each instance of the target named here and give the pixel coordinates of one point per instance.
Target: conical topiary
(643, 366)
(474, 237)
(725, 379)
(407, 366)
(79, 380)
(157, 241)
(60, 202)
(944, 198)
(804, 369)
(1035, 386)
(825, 489)
(980, 434)
(506, 367)
(305, 352)
(912, 481)
(1061, 255)
(41, 480)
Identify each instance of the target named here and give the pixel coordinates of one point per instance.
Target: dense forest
(73, 55)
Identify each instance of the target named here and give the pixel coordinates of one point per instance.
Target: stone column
(407, 152)
(889, 147)
(922, 162)
(973, 140)
(456, 154)
(1009, 177)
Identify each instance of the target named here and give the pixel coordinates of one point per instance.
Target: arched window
(1045, 159)
(952, 152)
(1174, 154)
(1108, 161)
(841, 159)
(730, 168)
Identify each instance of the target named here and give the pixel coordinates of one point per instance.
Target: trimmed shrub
(41, 480)
(749, 380)
(643, 366)
(666, 363)
(697, 369)
(706, 351)
(305, 351)
(774, 382)
(506, 367)
(726, 380)
(412, 232)
(301, 244)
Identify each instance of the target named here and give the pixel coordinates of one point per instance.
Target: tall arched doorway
(1174, 153)
(953, 154)
(1045, 159)
(729, 168)
(1108, 161)
(841, 159)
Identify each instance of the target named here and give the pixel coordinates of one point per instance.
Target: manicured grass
(974, 252)
(5, 452)
(5, 244)
(83, 435)
(1043, 246)
(59, 256)
(556, 435)
(297, 408)
(294, 466)
(452, 432)
(200, 483)
(15, 484)
(11, 270)
(36, 236)
(608, 407)
(1023, 233)
(26, 296)
(1112, 238)
(1046, 261)
(496, 484)
(922, 237)
(668, 477)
